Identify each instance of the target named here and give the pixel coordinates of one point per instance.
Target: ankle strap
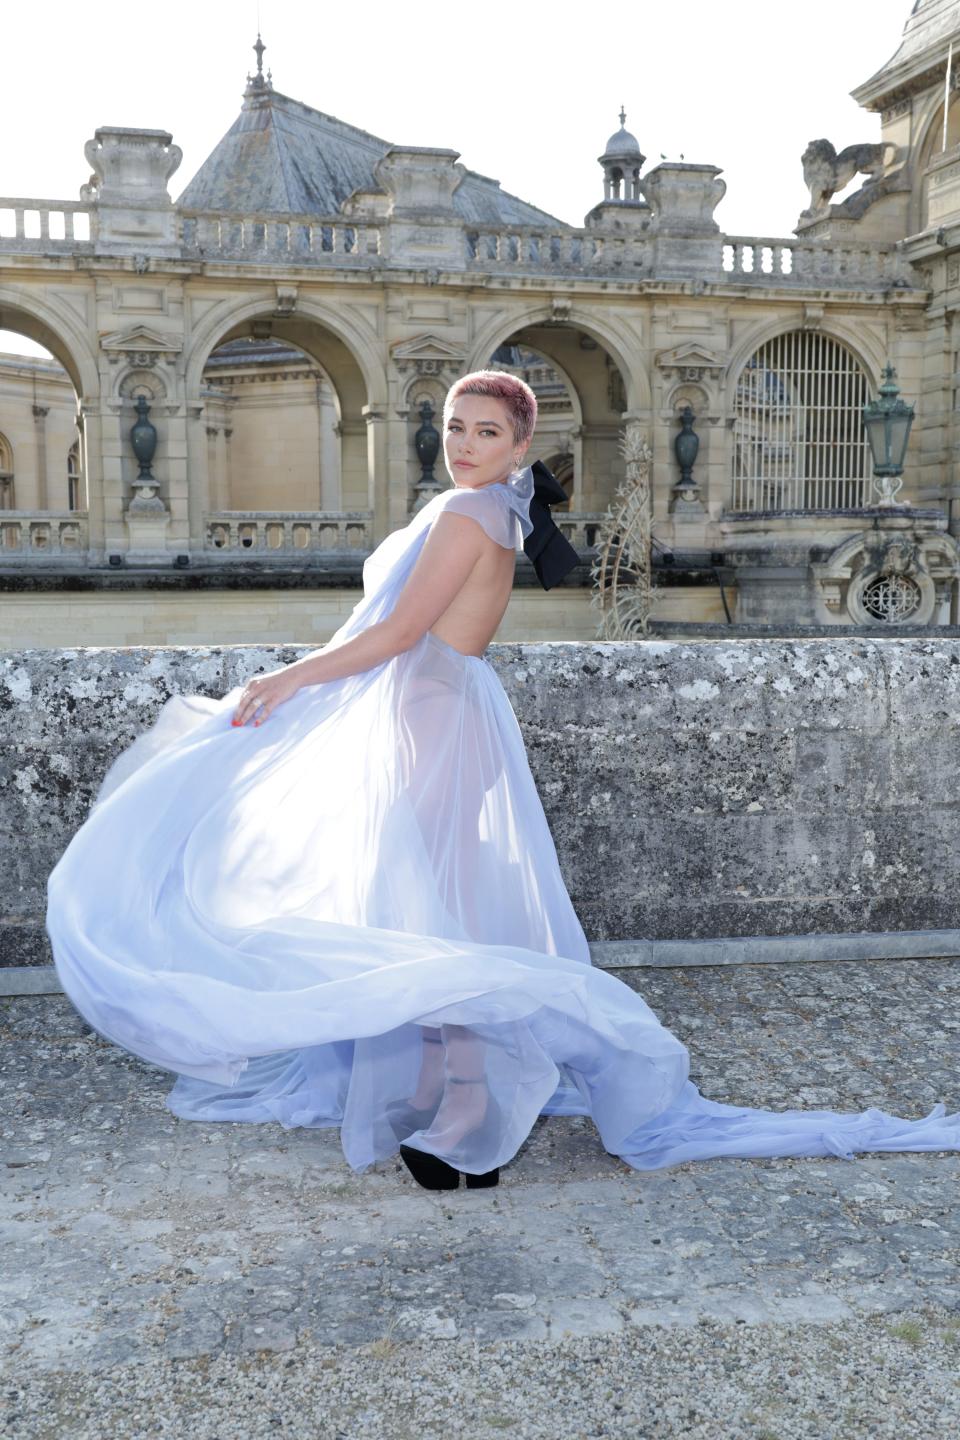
(431, 1039)
(458, 1080)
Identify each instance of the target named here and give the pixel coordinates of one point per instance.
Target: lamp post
(887, 421)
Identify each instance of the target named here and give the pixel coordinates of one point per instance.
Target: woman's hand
(262, 696)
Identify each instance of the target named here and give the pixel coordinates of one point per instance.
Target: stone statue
(825, 172)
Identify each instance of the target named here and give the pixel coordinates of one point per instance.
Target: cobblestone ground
(163, 1278)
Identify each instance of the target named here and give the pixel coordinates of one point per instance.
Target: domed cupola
(622, 162)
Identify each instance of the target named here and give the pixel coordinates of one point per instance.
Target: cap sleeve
(490, 510)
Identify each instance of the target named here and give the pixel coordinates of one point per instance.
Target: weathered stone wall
(750, 788)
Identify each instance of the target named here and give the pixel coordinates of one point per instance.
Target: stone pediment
(691, 362)
(141, 344)
(428, 355)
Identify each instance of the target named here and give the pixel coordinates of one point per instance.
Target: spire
(259, 84)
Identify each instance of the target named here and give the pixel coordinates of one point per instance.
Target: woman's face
(478, 444)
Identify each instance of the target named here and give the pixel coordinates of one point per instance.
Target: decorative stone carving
(896, 574)
(825, 172)
(140, 346)
(419, 180)
(691, 362)
(425, 230)
(131, 169)
(286, 300)
(684, 198)
(428, 355)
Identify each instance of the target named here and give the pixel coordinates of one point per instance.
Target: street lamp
(887, 421)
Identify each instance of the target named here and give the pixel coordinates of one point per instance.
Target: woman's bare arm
(450, 551)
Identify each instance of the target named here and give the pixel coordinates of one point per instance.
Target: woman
(332, 898)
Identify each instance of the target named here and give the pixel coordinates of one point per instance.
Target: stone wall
(695, 791)
(265, 615)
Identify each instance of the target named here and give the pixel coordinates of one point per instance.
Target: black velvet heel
(484, 1181)
(429, 1171)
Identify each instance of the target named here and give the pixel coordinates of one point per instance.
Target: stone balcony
(30, 537)
(56, 227)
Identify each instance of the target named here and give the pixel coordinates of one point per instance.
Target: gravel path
(161, 1278)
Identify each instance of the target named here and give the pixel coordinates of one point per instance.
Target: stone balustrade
(579, 526)
(45, 226)
(298, 239)
(27, 535)
(256, 535)
(556, 251)
(788, 262)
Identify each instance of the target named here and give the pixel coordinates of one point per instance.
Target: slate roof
(929, 28)
(283, 157)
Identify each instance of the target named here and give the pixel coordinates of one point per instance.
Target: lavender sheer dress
(275, 914)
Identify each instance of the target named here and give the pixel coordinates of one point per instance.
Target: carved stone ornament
(826, 172)
(428, 355)
(286, 300)
(140, 346)
(892, 578)
(691, 362)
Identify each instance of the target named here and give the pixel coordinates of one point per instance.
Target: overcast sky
(531, 102)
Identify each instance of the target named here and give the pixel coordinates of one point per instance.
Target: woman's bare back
(470, 621)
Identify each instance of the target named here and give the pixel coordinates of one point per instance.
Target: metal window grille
(798, 436)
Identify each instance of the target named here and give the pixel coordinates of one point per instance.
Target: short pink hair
(516, 395)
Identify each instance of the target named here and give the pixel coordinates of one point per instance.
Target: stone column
(377, 471)
(40, 413)
(329, 449)
(91, 441)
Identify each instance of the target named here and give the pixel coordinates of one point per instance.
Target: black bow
(552, 554)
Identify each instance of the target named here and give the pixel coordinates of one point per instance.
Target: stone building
(294, 318)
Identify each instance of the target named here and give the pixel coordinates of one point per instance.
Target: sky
(744, 87)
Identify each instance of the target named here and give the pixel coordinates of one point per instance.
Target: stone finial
(684, 198)
(131, 169)
(420, 180)
(132, 166)
(257, 84)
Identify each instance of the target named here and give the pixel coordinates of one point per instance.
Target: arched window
(798, 436)
(7, 497)
(73, 477)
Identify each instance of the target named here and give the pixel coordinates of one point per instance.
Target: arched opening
(7, 490)
(581, 397)
(73, 476)
(284, 403)
(273, 428)
(931, 150)
(798, 436)
(39, 410)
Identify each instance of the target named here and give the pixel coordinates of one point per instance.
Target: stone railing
(579, 526)
(556, 251)
(28, 536)
(47, 225)
(787, 262)
(295, 239)
(256, 535)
